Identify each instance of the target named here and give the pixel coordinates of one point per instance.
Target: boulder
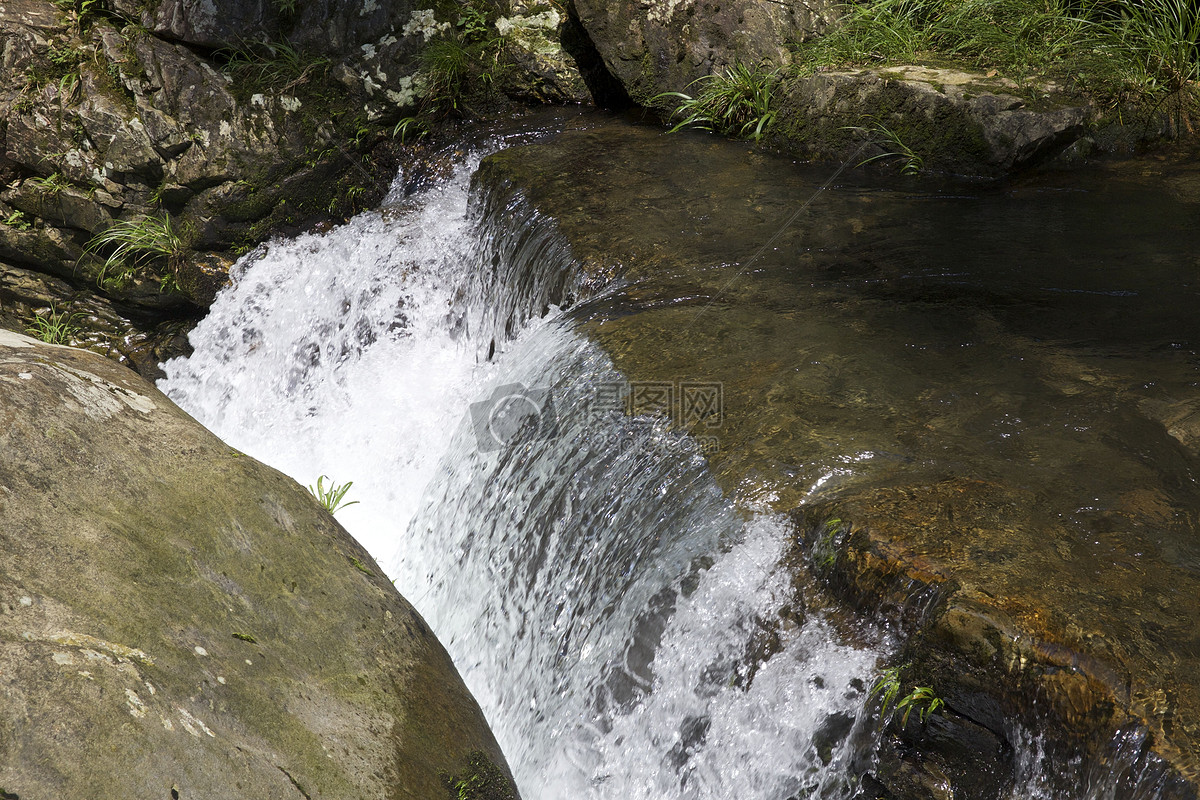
(178, 620)
(664, 45)
(961, 121)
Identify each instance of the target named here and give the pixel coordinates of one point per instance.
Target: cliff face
(178, 620)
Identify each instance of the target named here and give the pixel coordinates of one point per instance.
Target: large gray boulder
(664, 45)
(178, 620)
(952, 119)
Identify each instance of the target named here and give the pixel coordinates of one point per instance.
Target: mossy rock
(179, 620)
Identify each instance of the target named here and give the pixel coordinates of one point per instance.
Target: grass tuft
(276, 66)
(893, 148)
(333, 496)
(735, 103)
(132, 244)
(54, 326)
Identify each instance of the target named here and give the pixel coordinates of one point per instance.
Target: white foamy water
(333, 346)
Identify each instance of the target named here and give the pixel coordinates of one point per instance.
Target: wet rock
(177, 619)
(125, 334)
(107, 124)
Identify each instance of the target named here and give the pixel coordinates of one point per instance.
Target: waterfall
(617, 618)
(628, 631)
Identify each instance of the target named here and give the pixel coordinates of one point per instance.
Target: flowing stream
(628, 630)
(615, 615)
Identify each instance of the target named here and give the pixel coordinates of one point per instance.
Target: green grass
(133, 244)
(893, 149)
(1162, 36)
(1114, 49)
(333, 496)
(454, 67)
(271, 66)
(51, 185)
(54, 326)
(736, 103)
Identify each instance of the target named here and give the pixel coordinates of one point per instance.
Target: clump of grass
(1156, 43)
(333, 496)
(460, 63)
(275, 66)
(132, 244)
(736, 102)
(1114, 48)
(445, 64)
(54, 326)
(893, 148)
(886, 30)
(51, 185)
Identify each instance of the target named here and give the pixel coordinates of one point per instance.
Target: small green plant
(67, 86)
(921, 698)
(169, 284)
(825, 548)
(735, 103)
(65, 55)
(332, 498)
(17, 220)
(132, 244)
(245, 637)
(54, 327)
(473, 22)
(892, 146)
(51, 185)
(483, 781)
(85, 10)
(360, 566)
(410, 127)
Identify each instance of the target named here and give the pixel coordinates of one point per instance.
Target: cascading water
(628, 631)
(616, 616)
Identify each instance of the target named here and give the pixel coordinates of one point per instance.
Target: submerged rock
(179, 620)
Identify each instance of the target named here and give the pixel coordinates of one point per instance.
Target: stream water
(616, 615)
